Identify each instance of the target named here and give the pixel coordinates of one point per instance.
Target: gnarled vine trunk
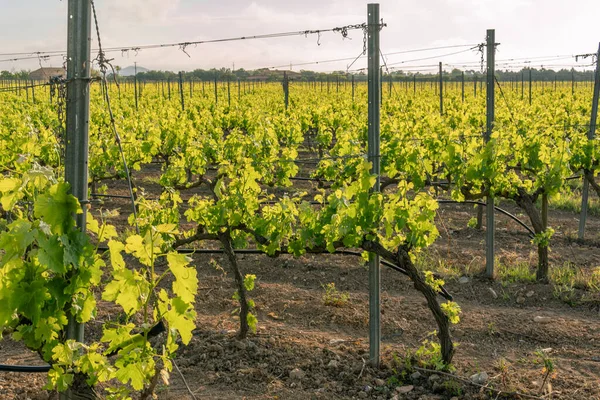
(402, 260)
(225, 239)
(527, 203)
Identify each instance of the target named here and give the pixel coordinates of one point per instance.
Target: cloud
(146, 11)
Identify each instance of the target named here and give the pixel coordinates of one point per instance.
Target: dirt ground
(304, 349)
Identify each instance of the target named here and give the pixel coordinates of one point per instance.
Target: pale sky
(524, 28)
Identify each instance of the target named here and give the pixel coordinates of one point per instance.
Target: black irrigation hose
(154, 331)
(502, 211)
(24, 368)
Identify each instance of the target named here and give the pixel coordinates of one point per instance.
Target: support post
(415, 84)
(522, 84)
(591, 135)
(374, 87)
(463, 86)
(77, 130)
(529, 86)
(441, 90)
(135, 85)
(353, 88)
(216, 94)
(286, 88)
(489, 242)
(181, 91)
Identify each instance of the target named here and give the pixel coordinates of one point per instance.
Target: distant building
(44, 74)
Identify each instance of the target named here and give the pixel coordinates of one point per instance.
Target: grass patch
(438, 264)
(515, 273)
(567, 278)
(572, 202)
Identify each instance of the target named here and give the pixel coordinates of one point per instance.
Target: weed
(452, 387)
(333, 297)
(429, 355)
(548, 368)
(491, 329)
(516, 273)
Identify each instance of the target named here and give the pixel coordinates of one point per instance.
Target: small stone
(379, 382)
(357, 367)
(332, 364)
(454, 398)
(367, 389)
(215, 348)
(404, 389)
(480, 378)
(530, 293)
(415, 376)
(362, 395)
(394, 397)
(542, 320)
(241, 345)
(434, 378)
(520, 300)
(297, 374)
(493, 293)
(463, 279)
(333, 342)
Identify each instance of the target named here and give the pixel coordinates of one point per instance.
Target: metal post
(216, 94)
(414, 84)
(229, 91)
(522, 84)
(181, 90)
(591, 134)
(373, 154)
(353, 88)
(475, 86)
(441, 91)
(572, 82)
(529, 86)
(169, 87)
(463, 86)
(135, 84)
(77, 128)
(489, 245)
(286, 93)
